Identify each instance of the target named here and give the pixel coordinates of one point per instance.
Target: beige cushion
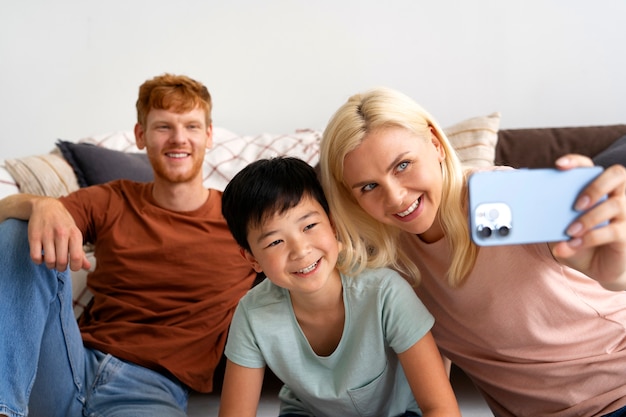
(48, 175)
(475, 139)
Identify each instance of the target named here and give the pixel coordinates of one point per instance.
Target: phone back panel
(525, 205)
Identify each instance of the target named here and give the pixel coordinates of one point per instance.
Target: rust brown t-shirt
(166, 283)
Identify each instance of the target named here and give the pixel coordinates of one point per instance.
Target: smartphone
(526, 205)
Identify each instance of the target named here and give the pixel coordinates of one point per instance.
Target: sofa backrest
(539, 148)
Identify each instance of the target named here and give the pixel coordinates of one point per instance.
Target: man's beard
(161, 170)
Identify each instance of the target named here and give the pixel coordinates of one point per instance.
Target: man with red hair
(166, 283)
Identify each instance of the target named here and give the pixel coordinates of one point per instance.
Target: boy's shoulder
(375, 277)
(264, 294)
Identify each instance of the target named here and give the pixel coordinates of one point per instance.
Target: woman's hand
(599, 252)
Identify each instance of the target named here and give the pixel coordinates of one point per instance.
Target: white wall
(71, 68)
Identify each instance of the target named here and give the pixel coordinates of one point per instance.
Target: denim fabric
(44, 367)
(119, 389)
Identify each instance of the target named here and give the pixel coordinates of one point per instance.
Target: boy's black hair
(267, 187)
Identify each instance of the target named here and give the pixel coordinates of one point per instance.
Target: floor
(471, 403)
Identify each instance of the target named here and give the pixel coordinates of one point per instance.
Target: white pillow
(123, 141)
(231, 153)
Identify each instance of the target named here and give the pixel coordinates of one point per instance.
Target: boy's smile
(297, 249)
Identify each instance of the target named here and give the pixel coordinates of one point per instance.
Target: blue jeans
(44, 368)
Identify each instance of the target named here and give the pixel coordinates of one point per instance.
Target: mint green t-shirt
(363, 376)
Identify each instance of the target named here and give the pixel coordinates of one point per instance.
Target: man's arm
(17, 206)
(52, 232)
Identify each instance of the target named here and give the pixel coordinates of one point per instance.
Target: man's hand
(53, 236)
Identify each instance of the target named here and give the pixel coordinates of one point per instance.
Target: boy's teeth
(177, 155)
(307, 269)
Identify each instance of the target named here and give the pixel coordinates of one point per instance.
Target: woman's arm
(428, 379)
(241, 390)
(598, 252)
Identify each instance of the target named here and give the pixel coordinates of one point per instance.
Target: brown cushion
(540, 147)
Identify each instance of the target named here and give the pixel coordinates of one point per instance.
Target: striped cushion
(47, 174)
(475, 140)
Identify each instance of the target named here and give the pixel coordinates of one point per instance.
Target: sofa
(479, 141)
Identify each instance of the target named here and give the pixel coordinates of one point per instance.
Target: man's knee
(14, 239)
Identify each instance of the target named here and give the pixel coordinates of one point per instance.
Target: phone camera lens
(484, 231)
(504, 230)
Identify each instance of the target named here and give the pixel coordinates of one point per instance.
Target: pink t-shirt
(537, 338)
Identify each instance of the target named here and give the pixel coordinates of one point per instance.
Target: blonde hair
(369, 243)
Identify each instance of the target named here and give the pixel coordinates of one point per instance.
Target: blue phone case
(525, 205)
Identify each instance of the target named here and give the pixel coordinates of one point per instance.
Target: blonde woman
(539, 328)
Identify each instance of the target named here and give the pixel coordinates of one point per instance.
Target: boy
(333, 340)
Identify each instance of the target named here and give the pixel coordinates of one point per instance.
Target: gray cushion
(614, 154)
(96, 165)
